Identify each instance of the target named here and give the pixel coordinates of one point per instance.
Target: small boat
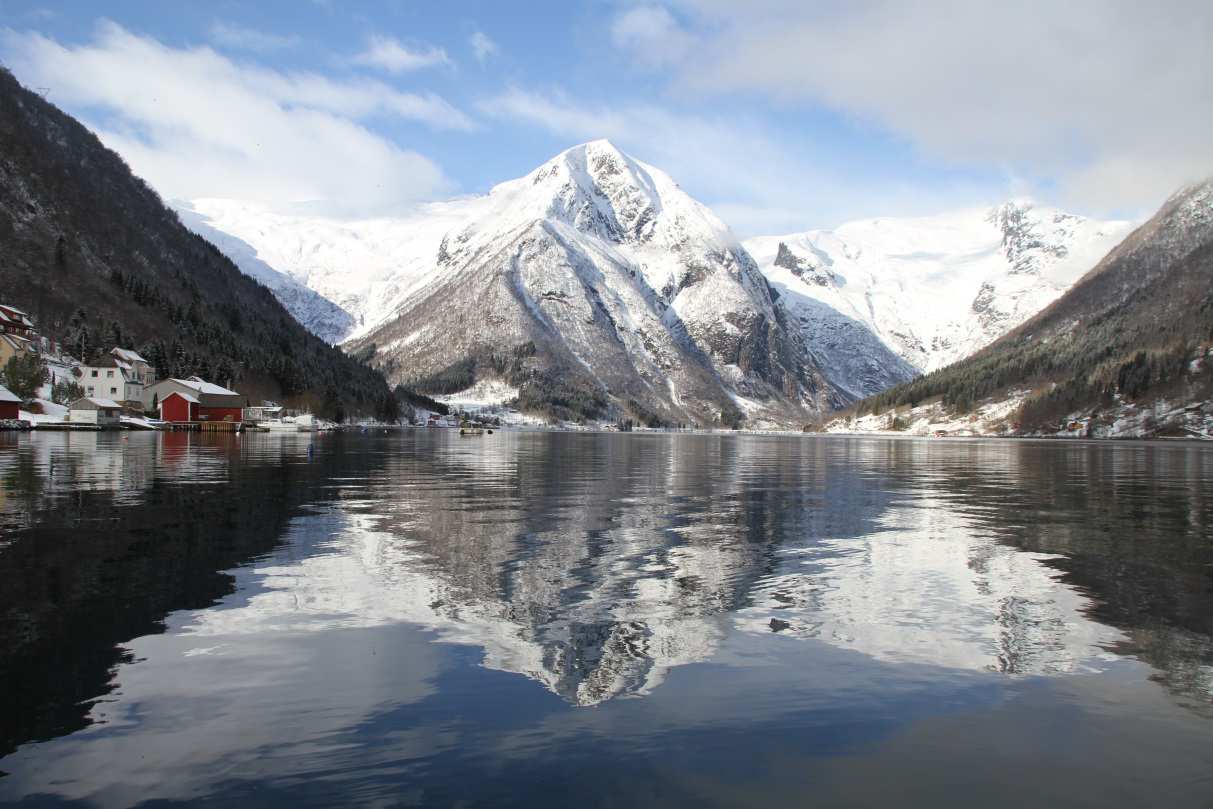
(470, 431)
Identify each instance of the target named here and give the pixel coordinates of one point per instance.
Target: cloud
(1110, 100)
(387, 53)
(237, 37)
(482, 46)
(651, 34)
(196, 124)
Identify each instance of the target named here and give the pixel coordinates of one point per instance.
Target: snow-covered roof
(186, 396)
(7, 395)
(128, 355)
(100, 404)
(17, 313)
(202, 386)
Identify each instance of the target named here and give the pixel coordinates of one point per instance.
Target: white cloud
(238, 37)
(1111, 100)
(196, 124)
(482, 46)
(651, 34)
(387, 53)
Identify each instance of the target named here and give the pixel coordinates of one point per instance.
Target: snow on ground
(51, 413)
(485, 393)
(996, 418)
(990, 418)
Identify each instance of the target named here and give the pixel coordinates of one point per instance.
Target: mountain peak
(598, 146)
(600, 190)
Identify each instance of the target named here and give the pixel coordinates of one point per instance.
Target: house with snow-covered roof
(14, 321)
(95, 410)
(15, 345)
(193, 399)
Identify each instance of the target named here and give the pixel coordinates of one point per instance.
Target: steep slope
(597, 286)
(317, 314)
(79, 232)
(1136, 328)
(936, 289)
(364, 267)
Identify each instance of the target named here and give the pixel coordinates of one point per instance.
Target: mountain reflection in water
(241, 589)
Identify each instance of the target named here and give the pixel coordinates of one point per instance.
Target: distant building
(14, 345)
(179, 407)
(94, 410)
(266, 411)
(121, 375)
(17, 334)
(135, 366)
(10, 405)
(14, 321)
(195, 399)
(112, 378)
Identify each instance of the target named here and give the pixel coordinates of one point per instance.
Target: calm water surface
(603, 620)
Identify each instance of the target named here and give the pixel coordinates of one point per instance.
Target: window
(90, 390)
(113, 390)
(109, 374)
(94, 373)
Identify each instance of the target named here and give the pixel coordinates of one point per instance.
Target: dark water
(593, 620)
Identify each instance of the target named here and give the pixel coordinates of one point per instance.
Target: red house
(14, 321)
(194, 399)
(10, 405)
(178, 406)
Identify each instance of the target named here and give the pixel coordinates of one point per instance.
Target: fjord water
(531, 619)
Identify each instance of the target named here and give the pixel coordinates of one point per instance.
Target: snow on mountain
(314, 312)
(597, 284)
(936, 289)
(364, 267)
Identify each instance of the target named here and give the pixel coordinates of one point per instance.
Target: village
(44, 387)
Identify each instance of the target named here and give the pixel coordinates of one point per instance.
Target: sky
(782, 115)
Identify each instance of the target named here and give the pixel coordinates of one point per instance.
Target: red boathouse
(178, 406)
(10, 405)
(195, 400)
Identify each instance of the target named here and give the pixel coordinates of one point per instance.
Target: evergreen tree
(24, 374)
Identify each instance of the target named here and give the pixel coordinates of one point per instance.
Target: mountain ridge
(935, 289)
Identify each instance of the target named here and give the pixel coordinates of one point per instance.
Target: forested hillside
(1135, 328)
(92, 253)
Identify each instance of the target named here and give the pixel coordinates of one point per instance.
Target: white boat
(290, 424)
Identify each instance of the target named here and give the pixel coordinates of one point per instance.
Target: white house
(121, 375)
(90, 410)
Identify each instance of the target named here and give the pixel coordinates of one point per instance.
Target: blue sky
(780, 115)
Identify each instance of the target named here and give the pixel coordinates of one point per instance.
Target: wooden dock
(204, 426)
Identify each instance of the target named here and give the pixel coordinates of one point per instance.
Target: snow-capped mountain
(935, 289)
(596, 284)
